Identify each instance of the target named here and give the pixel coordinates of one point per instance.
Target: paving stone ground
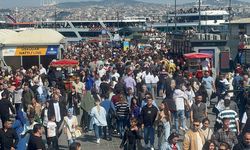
(88, 140)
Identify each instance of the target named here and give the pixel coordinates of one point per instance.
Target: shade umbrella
(64, 63)
(197, 55)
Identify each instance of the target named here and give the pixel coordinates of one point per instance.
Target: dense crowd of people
(132, 94)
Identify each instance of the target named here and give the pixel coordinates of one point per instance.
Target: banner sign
(30, 51)
(125, 45)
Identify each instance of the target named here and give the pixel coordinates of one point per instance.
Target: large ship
(78, 30)
(207, 20)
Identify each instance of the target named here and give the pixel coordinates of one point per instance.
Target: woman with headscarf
(70, 125)
(18, 125)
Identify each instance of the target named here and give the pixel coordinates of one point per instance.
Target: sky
(25, 3)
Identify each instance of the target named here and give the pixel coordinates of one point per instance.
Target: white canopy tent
(37, 43)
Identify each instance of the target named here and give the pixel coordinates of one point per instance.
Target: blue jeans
(122, 122)
(160, 86)
(163, 140)
(149, 86)
(149, 133)
(98, 131)
(179, 114)
(209, 94)
(70, 141)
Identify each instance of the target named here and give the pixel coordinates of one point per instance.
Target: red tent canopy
(197, 55)
(64, 63)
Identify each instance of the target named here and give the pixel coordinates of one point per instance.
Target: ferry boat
(210, 20)
(79, 30)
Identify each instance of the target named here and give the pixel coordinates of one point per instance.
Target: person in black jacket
(8, 137)
(5, 105)
(131, 136)
(245, 144)
(56, 108)
(74, 100)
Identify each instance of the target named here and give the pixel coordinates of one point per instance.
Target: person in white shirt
(101, 71)
(17, 96)
(191, 97)
(244, 120)
(98, 114)
(80, 86)
(115, 74)
(180, 99)
(52, 139)
(155, 80)
(42, 70)
(148, 80)
(205, 64)
(70, 126)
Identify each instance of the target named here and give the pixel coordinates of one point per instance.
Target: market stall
(199, 62)
(66, 64)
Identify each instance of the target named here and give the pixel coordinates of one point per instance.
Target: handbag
(77, 133)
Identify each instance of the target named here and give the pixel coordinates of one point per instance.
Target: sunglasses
(196, 125)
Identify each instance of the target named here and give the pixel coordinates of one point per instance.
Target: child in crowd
(51, 133)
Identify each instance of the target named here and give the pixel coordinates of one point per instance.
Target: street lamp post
(118, 25)
(199, 16)
(55, 18)
(175, 16)
(229, 18)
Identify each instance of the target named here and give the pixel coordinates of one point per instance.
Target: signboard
(125, 45)
(30, 51)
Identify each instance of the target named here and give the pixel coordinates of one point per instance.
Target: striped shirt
(232, 115)
(122, 109)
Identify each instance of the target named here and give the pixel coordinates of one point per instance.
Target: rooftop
(31, 37)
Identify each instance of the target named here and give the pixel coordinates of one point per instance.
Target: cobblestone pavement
(88, 140)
